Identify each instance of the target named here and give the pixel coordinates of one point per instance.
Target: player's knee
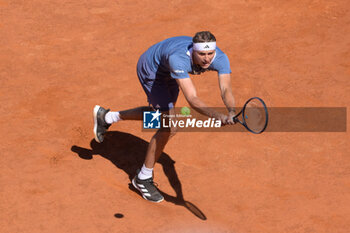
(168, 131)
(173, 131)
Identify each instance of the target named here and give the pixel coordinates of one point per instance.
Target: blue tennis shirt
(173, 57)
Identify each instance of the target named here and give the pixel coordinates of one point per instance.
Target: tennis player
(162, 70)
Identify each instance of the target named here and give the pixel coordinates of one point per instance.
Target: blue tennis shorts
(162, 90)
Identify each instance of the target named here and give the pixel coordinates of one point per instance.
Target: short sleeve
(222, 64)
(178, 67)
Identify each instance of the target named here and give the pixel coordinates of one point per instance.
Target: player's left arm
(227, 94)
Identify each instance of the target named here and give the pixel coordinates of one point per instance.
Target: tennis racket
(254, 115)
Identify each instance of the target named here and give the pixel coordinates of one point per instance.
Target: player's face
(203, 58)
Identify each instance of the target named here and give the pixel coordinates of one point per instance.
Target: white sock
(112, 117)
(145, 173)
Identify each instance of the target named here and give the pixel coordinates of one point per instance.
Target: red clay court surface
(60, 58)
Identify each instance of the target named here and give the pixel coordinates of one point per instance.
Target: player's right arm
(190, 93)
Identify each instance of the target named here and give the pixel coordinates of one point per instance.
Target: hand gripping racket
(254, 115)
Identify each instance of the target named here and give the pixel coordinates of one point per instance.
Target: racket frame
(236, 120)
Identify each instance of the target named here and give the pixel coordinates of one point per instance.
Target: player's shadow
(127, 152)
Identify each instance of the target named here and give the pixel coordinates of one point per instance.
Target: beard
(196, 69)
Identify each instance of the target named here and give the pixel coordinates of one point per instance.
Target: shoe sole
(144, 197)
(96, 108)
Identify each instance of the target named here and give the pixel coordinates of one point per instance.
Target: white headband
(204, 46)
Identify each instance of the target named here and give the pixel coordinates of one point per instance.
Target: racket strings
(255, 115)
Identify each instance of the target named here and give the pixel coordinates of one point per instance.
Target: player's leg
(134, 113)
(143, 180)
(104, 118)
(165, 98)
(129, 114)
(158, 142)
(162, 136)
